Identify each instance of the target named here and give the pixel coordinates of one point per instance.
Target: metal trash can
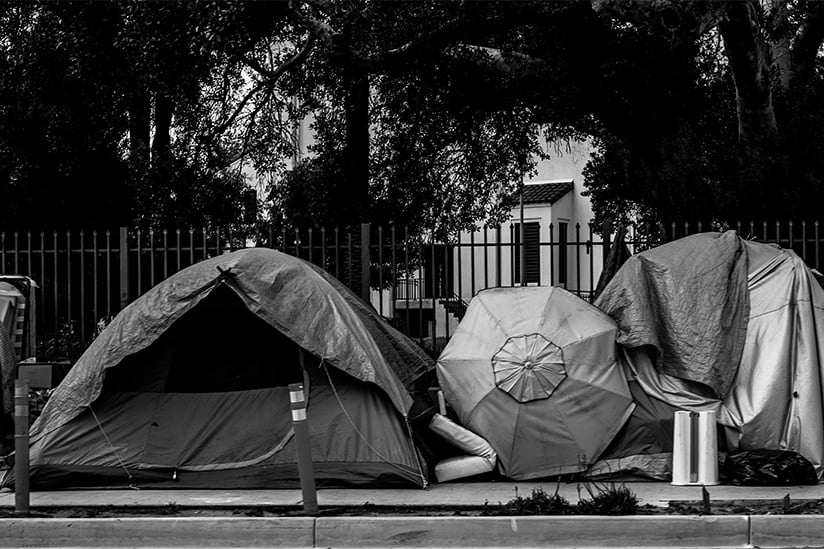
(695, 449)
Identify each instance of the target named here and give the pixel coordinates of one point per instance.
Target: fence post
(365, 261)
(606, 237)
(124, 268)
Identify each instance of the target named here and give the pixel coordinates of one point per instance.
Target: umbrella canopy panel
(529, 367)
(533, 370)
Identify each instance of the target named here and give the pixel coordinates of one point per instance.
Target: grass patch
(609, 500)
(606, 499)
(539, 502)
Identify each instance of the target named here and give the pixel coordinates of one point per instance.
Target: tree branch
(696, 17)
(805, 46)
(268, 83)
(507, 63)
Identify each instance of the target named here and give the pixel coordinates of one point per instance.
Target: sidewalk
(454, 494)
(671, 531)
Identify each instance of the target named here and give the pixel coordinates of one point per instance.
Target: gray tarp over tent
(188, 385)
(768, 390)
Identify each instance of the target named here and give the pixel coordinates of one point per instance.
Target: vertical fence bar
(551, 255)
(817, 243)
(513, 249)
(28, 257)
(434, 292)
(447, 292)
(54, 283)
(804, 240)
(124, 268)
(82, 287)
(486, 258)
(323, 248)
(205, 243)
(310, 245)
(498, 258)
(151, 258)
(16, 269)
(177, 233)
(69, 279)
(420, 289)
(191, 246)
(459, 270)
(406, 273)
(591, 245)
(108, 273)
(139, 265)
(578, 259)
(349, 281)
(349, 260)
(95, 309)
(165, 253)
(297, 243)
(393, 294)
(42, 304)
(472, 263)
(365, 261)
(337, 253)
(791, 237)
(380, 269)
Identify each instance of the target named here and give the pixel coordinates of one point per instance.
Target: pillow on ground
(482, 458)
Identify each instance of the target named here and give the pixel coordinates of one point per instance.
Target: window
(532, 252)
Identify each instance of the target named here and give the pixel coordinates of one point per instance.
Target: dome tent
(188, 386)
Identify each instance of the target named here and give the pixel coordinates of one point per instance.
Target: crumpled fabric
(688, 300)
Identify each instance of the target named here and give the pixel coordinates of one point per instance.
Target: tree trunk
(355, 189)
(139, 132)
(161, 145)
(748, 57)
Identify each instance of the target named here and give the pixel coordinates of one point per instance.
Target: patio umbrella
(534, 371)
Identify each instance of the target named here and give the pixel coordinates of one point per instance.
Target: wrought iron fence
(420, 283)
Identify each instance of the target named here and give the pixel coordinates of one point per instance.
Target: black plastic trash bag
(768, 468)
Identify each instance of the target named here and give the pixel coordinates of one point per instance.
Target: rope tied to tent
(114, 449)
(363, 438)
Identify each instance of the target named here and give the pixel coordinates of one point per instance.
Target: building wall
(583, 262)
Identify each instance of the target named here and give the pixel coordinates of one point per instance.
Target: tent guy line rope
(114, 450)
(358, 431)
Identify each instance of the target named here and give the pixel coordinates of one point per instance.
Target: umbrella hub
(528, 367)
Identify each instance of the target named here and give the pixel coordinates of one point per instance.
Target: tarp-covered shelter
(188, 386)
(533, 370)
(713, 321)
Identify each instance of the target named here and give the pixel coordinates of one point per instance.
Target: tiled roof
(545, 193)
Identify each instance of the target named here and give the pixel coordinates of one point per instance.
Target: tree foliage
(425, 114)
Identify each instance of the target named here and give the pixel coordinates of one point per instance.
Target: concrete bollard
(297, 399)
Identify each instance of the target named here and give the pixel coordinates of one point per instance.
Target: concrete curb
(787, 530)
(671, 531)
(636, 531)
(158, 532)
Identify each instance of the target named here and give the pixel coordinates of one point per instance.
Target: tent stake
(297, 398)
